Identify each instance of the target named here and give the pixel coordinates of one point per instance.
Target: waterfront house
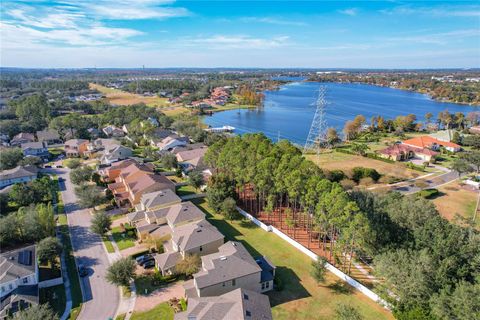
(230, 268)
(19, 174)
(431, 143)
(239, 304)
(18, 280)
(403, 152)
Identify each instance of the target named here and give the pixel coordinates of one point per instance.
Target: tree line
(428, 263)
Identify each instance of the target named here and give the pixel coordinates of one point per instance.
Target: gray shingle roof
(194, 235)
(47, 135)
(230, 262)
(167, 260)
(18, 172)
(184, 212)
(159, 198)
(33, 145)
(17, 264)
(232, 305)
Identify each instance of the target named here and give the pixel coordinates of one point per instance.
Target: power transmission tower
(317, 137)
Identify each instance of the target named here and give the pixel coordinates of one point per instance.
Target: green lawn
(55, 297)
(77, 297)
(185, 190)
(125, 239)
(108, 244)
(161, 312)
(147, 283)
(301, 297)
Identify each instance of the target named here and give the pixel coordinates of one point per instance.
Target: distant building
(76, 147)
(18, 280)
(18, 175)
(35, 149)
(22, 138)
(50, 137)
(113, 131)
(239, 304)
(115, 153)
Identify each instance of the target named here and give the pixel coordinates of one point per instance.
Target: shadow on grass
(247, 224)
(292, 287)
(340, 287)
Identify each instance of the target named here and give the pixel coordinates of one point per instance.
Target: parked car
(142, 259)
(149, 264)
(82, 270)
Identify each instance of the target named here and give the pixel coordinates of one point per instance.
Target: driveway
(147, 302)
(100, 298)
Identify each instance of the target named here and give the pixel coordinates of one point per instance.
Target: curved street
(101, 299)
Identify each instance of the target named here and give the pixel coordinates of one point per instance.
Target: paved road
(101, 299)
(432, 183)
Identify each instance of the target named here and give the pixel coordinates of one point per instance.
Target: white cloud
(441, 38)
(238, 42)
(440, 11)
(135, 10)
(275, 21)
(349, 12)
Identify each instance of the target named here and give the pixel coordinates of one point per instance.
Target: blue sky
(167, 33)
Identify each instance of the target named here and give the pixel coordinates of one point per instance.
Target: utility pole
(317, 136)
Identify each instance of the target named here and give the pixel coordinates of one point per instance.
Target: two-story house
(198, 238)
(239, 304)
(115, 153)
(18, 280)
(19, 174)
(76, 147)
(50, 137)
(230, 268)
(35, 149)
(22, 137)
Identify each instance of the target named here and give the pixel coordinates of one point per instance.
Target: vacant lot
(119, 97)
(343, 161)
(301, 297)
(455, 199)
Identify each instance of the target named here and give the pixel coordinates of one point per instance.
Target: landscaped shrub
(428, 193)
(347, 184)
(359, 173)
(335, 175)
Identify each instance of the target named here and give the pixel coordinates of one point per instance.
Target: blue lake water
(289, 111)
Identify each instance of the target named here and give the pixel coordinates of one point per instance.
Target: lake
(288, 112)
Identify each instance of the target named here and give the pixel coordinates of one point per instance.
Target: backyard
(163, 311)
(55, 297)
(301, 296)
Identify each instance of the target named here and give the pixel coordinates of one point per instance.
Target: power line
(317, 136)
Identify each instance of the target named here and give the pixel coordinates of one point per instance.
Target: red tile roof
(427, 142)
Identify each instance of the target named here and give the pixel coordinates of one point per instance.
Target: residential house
(35, 149)
(93, 132)
(18, 280)
(115, 153)
(200, 238)
(50, 137)
(113, 131)
(22, 138)
(102, 144)
(239, 304)
(135, 180)
(192, 158)
(171, 142)
(4, 139)
(157, 135)
(76, 147)
(432, 144)
(232, 267)
(157, 200)
(18, 175)
(160, 223)
(402, 152)
(109, 174)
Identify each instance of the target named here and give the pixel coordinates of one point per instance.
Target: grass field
(108, 244)
(119, 97)
(185, 190)
(301, 297)
(454, 200)
(161, 312)
(343, 161)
